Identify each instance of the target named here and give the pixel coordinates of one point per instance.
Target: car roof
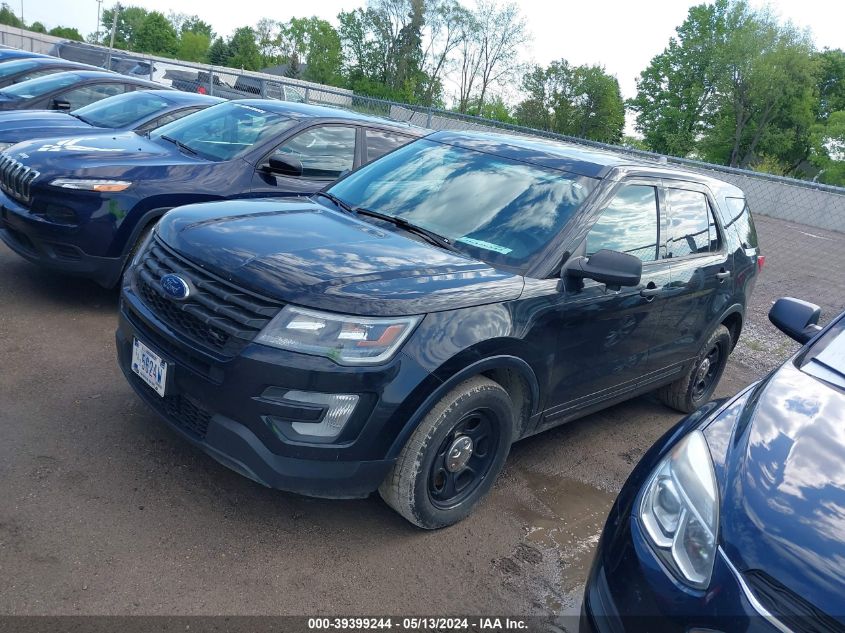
(107, 74)
(307, 110)
(51, 61)
(571, 157)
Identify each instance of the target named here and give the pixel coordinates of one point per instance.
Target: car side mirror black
(61, 104)
(795, 318)
(284, 165)
(607, 267)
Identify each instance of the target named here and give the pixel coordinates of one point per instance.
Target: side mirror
(795, 318)
(607, 267)
(61, 104)
(284, 165)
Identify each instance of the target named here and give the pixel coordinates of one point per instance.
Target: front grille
(791, 609)
(217, 315)
(16, 178)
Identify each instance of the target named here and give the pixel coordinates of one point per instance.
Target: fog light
(339, 408)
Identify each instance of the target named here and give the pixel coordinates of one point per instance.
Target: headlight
(680, 511)
(347, 340)
(85, 184)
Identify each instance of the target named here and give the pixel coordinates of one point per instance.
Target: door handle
(723, 274)
(650, 291)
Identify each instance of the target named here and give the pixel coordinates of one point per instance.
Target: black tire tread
(676, 394)
(397, 489)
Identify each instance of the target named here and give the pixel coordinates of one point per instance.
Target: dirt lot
(104, 511)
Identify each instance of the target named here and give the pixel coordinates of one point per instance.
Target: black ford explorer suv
(402, 329)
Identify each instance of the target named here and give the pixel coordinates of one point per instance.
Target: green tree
(324, 59)
(38, 27)
(831, 84)
(193, 47)
(129, 20)
(218, 52)
(828, 155)
(7, 16)
(243, 51)
(677, 90)
(156, 35)
(67, 33)
(581, 101)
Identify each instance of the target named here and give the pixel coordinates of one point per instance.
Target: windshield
(121, 110)
(41, 85)
(11, 68)
(826, 358)
(496, 209)
(225, 131)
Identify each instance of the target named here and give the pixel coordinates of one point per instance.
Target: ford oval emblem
(175, 287)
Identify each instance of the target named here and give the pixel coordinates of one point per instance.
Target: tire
(420, 484)
(697, 386)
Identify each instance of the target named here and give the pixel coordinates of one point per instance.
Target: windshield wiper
(402, 223)
(337, 201)
(180, 144)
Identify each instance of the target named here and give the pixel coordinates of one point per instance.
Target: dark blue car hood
(107, 154)
(783, 510)
(301, 252)
(24, 125)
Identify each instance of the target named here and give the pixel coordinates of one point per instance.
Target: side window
(740, 217)
(79, 97)
(691, 226)
(380, 142)
(36, 73)
(628, 224)
(326, 151)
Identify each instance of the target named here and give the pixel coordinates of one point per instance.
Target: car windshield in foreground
(41, 85)
(19, 66)
(826, 358)
(121, 110)
(224, 131)
(493, 208)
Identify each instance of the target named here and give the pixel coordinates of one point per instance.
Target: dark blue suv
(402, 329)
(82, 204)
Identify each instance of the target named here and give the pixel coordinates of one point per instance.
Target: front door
(325, 151)
(603, 336)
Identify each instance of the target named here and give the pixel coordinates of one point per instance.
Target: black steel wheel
(453, 457)
(699, 382)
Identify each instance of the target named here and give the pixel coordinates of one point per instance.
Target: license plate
(149, 366)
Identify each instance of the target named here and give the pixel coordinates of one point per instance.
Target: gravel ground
(104, 511)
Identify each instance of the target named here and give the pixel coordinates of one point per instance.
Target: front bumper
(219, 406)
(53, 245)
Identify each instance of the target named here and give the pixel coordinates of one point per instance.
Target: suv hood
(783, 507)
(23, 125)
(300, 252)
(97, 149)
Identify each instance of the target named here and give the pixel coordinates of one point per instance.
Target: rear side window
(628, 224)
(380, 142)
(692, 230)
(79, 97)
(740, 219)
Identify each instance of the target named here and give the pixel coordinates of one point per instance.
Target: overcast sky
(622, 35)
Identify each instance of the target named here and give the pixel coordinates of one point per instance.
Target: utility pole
(113, 29)
(99, 6)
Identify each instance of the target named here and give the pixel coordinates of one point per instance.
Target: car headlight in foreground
(85, 184)
(680, 511)
(347, 340)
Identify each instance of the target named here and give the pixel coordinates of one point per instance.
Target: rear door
(702, 279)
(326, 152)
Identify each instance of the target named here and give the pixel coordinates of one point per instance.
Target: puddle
(562, 519)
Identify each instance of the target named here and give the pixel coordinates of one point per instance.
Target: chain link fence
(801, 224)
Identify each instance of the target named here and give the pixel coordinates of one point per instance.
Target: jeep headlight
(680, 511)
(347, 340)
(91, 184)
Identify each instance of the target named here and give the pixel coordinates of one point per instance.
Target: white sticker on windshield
(249, 107)
(485, 245)
(834, 354)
